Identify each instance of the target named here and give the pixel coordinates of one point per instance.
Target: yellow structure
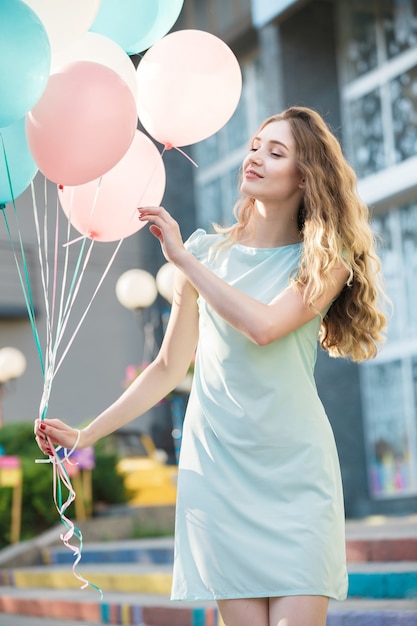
(147, 478)
(11, 475)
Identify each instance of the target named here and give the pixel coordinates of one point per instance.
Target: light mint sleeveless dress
(260, 505)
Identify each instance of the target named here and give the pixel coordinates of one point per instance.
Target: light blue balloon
(25, 60)
(16, 161)
(136, 24)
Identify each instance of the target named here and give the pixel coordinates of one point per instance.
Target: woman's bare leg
(244, 612)
(298, 611)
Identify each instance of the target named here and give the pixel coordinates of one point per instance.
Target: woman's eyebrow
(278, 143)
(272, 141)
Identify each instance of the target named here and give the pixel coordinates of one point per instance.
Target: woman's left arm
(261, 323)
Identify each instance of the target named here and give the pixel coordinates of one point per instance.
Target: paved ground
(377, 547)
(355, 614)
(19, 620)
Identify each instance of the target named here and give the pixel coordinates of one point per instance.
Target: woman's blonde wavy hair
(335, 227)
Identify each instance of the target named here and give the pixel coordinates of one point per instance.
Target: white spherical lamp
(12, 364)
(136, 289)
(165, 281)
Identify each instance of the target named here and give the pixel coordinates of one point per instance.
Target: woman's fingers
(165, 229)
(54, 432)
(158, 215)
(156, 232)
(147, 212)
(44, 445)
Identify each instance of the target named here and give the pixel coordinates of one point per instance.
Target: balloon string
(51, 347)
(25, 284)
(90, 303)
(44, 275)
(85, 264)
(75, 285)
(65, 308)
(76, 240)
(61, 478)
(169, 146)
(72, 293)
(186, 156)
(65, 269)
(61, 326)
(60, 474)
(92, 209)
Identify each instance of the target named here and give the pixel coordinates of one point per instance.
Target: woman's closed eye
(272, 153)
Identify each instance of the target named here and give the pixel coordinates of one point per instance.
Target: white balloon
(65, 20)
(98, 49)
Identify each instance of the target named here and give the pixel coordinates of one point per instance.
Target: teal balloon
(136, 24)
(25, 60)
(16, 161)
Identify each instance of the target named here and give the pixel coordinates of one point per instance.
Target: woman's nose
(255, 157)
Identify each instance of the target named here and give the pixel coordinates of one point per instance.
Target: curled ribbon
(61, 478)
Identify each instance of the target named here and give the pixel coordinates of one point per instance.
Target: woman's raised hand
(56, 433)
(164, 228)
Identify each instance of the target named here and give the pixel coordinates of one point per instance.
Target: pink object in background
(9, 462)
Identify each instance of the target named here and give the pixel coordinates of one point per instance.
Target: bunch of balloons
(70, 99)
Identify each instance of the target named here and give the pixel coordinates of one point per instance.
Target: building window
(216, 16)
(389, 384)
(400, 26)
(358, 20)
(390, 427)
(403, 91)
(219, 157)
(378, 69)
(367, 144)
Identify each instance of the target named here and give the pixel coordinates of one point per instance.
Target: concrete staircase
(135, 578)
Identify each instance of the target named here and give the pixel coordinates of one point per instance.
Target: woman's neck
(264, 232)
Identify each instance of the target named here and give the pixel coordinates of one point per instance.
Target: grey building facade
(355, 61)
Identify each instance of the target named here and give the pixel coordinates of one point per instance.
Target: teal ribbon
(29, 302)
(24, 279)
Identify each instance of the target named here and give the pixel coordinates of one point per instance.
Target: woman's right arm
(166, 371)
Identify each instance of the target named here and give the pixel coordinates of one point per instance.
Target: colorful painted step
(129, 610)
(144, 551)
(367, 580)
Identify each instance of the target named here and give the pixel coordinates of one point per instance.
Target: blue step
(152, 551)
(391, 580)
(383, 580)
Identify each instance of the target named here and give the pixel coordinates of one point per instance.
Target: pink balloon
(105, 209)
(189, 85)
(82, 125)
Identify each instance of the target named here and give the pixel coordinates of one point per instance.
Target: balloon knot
(92, 234)
(61, 187)
(168, 146)
(2, 207)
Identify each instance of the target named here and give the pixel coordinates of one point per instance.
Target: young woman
(260, 518)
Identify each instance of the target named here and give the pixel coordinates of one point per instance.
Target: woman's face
(270, 174)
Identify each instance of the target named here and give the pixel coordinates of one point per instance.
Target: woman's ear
(302, 184)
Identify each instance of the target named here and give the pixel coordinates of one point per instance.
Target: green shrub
(38, 508)
(108, 484)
